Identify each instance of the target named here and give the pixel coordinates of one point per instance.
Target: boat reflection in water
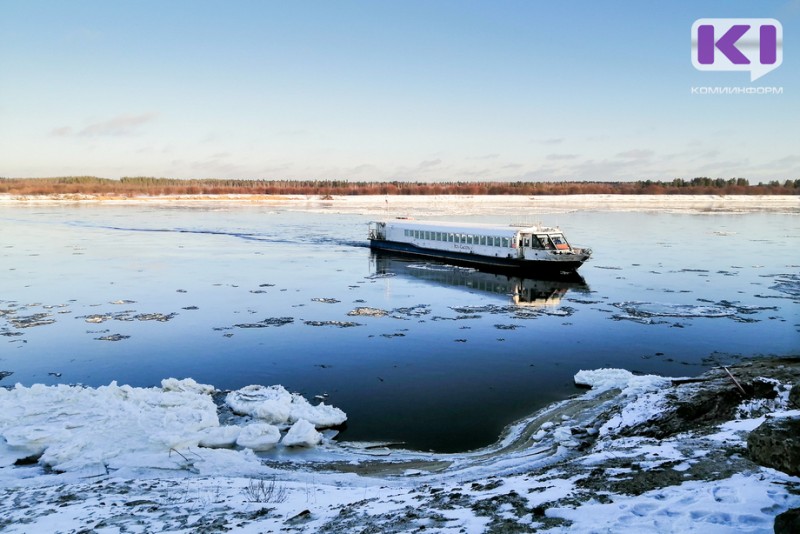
(540, 291)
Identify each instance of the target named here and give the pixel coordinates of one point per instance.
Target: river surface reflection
(434, 356)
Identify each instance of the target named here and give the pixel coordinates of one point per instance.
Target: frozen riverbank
(635, 453)
(448, 205)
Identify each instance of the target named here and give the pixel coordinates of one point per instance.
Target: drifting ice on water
(524, 248)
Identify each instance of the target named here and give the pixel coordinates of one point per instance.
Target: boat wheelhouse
(533, 248)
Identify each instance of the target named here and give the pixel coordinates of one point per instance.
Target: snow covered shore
(449, 205)
(633, 454)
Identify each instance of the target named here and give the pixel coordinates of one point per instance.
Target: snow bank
(644, 392)
(72, 428)
(277, 406)
(735, 504)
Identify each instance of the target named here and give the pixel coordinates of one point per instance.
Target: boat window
(545, 241)
(483, 240)
(450, 237)
(559, 242)
(506, 244)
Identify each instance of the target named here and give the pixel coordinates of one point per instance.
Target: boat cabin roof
(478, 228)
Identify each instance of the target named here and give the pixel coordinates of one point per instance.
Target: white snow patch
(741, 503)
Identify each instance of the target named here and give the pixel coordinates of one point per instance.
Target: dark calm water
(433, 356)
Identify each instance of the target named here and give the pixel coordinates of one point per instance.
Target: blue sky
(386, 90)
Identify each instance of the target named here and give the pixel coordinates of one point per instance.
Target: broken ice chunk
(259, 437)
(302, 434)
(219, 437)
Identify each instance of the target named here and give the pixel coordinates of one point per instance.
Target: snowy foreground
(181, 458)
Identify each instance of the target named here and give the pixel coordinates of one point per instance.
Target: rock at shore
(794, 397)
(788, 522)
(776, 443)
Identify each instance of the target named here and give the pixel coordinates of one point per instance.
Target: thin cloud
(551, 141)
(63, 131)
(429, 163)
(561, 156)
(636, 153)
(117, 126)
(365, 168)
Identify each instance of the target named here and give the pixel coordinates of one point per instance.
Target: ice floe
(340, 324)
(604, 379)
(259, 437)
(789, 284)
(651, 312)
(271, 321)
(275, 405)
(74, 428)
(302, 434)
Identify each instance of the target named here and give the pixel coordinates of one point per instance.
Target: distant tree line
(149, 186)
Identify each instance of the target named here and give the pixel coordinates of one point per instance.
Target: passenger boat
(523, 248)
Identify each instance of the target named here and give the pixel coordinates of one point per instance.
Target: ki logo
(754, 45)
